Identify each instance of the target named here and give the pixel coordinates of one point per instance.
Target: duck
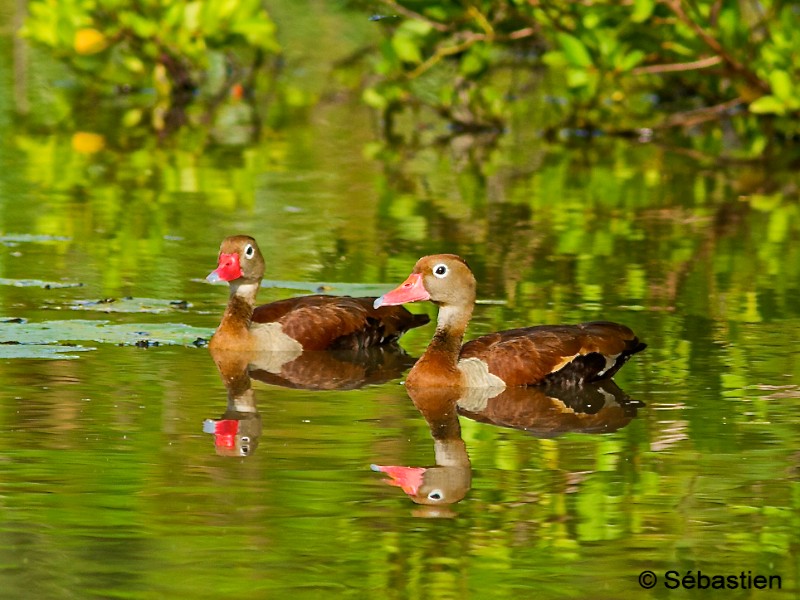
(295, 325)
(527, 356)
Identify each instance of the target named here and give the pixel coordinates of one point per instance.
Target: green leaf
(767, 105)
(132, 117)
(374, 98)
(577, 78)
(191, 16)
(781, 84)
(418, 28)
(555, 58)
(474, 61)
(575, 50)
(406, 48)
(628, 61)
(642, 10)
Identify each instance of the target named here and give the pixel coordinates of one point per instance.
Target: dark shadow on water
(542, 411)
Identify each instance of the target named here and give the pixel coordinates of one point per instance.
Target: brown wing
(330, 322)
(556, 353)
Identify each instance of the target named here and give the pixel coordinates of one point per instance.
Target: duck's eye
(249, 251)
(440, 271)
(435, 495)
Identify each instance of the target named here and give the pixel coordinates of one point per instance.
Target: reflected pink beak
(411, 290)
(227, 269)
(224, 431)
(407, 478)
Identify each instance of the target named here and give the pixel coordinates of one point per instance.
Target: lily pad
(131, 305)
(38, 283)
(40, 351)
(327, 287)
(13, 238)
(138, 334)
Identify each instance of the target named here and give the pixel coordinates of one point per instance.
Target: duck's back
(567, 354)
(321, 322)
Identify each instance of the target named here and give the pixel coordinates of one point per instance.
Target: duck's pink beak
(227, 269)
(407, 478)
(411, 290)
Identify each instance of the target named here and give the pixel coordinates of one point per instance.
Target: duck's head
(239, 258)
(444, 279)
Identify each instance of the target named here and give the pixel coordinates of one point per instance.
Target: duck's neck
(441, 357)
(241, 302)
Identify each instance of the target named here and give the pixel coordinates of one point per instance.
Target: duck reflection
(450, 480)
(237, 431)
(542, 411)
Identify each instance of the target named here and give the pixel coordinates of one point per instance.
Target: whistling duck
(296, 324)
(563, 354)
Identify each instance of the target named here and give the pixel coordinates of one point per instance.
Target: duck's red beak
(411, 290)
(407, 478)
(227, 269)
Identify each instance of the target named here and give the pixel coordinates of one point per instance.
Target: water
(111, 488)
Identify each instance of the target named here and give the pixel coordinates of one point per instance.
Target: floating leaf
(130, 305)
(39, 283)
(58, 332)
(40, 351)
(27, 237)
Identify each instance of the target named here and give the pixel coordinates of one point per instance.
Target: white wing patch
(610, 362)
(476, 374)
(270, 336)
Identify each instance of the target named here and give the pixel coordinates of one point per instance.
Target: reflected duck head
(432, 486)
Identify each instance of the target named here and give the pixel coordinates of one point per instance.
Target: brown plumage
(559, 354)
(293, 325)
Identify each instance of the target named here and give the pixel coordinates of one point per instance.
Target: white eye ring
(249, 251)
(440, 271)
(435, 495)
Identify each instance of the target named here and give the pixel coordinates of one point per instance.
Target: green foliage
(170, 50)
(611, 66)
